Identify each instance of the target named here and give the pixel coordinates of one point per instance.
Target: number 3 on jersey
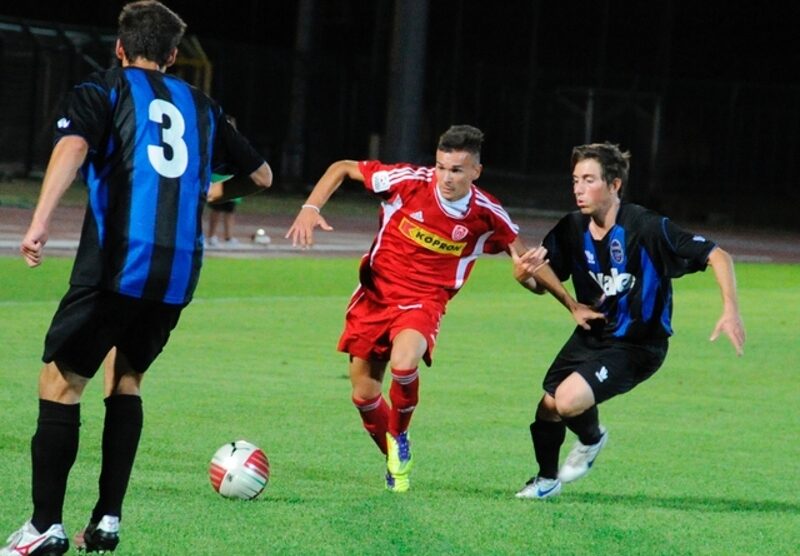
(171, 135)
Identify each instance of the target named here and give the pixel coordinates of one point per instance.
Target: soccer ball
(239, 470)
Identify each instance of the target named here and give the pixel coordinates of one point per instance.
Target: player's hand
(302, 229)
(733, 327)
(532, 260)
(583, 314)
(215, 192)
(32, 246)
(520, 274)
(527, 264)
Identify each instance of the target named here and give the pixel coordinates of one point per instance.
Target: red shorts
(370, 327)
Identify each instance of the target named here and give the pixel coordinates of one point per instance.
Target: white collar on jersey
(457, 209)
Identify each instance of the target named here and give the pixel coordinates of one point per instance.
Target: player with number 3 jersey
(146, 144)
(147, 179)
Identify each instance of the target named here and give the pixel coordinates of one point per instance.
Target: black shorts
(225, 206)
(610, 367)
(89, 322)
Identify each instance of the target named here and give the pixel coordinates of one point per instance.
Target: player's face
(455, 172)
(593, 194)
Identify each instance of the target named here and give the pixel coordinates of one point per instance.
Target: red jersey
(421, 252)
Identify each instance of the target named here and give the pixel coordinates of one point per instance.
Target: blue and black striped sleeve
(85, 111)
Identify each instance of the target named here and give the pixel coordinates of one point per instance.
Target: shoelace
(403, 448)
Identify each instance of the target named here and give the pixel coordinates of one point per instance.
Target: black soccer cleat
(101, 537)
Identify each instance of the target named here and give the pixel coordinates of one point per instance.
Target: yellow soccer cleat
(397, 484)
(398, 462)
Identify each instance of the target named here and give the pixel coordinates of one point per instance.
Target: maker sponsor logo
(429, 240)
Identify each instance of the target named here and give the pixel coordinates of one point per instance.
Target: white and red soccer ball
(239, 470)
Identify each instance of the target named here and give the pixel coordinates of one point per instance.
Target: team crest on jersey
(617, 252)
(459, 232)
(417, 216)
(429, 240)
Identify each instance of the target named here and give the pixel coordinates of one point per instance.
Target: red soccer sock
(404, 393)
(375, 416)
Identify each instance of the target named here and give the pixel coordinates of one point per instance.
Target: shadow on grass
(686, 503)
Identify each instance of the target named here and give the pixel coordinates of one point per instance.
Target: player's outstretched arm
(582, 314)
(65, 161)
(730, 322)
(535, 265)
(302, 229)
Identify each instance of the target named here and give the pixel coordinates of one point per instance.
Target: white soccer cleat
(581, 458)
(27, 541)
(539, 488)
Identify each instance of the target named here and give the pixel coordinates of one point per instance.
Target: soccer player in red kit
(434, 224)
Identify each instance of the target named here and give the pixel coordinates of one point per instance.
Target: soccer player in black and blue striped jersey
(146, 144)
(622, 258)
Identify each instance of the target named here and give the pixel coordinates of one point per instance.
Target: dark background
(704, 94)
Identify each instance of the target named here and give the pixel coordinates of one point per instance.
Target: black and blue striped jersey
(153, 143)
(627, 274)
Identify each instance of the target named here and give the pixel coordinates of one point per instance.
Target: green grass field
(702, 459)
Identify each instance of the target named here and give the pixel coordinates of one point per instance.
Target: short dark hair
(462, 138)
(150, 30)
(614, 162)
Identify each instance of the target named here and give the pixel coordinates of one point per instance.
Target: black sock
(121, 433)
(586, 426)
(54, 448)
(547, 436)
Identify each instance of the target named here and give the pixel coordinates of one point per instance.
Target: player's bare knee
(570, 402)
(365, 388)
(128, 384)
(573, 396)
(408, 348)
(59, 384)
(407, 356)
(407, 362)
